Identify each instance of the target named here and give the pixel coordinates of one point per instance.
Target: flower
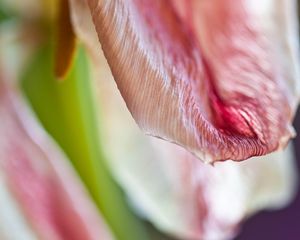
(217, 77)
(178, 193)
(169, 187)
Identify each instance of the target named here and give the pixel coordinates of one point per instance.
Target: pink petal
(180, 195)
(217, 77)
(44, 185)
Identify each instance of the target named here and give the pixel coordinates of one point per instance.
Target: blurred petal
(217, 77)
(36, 174)
(66, 110)
(84, 27)
(13, 224)
(179, 194)
(210, 202)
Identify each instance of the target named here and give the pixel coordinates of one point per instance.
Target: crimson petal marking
(177, 193)
(203, 74)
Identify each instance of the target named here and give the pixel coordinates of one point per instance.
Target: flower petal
(36, 173)
(180, 195)
(217, 77)
(13, 224)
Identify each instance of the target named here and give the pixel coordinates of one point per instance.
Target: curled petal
(180, 195)
(217, 77)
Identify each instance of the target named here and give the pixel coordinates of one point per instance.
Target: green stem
(66, 110)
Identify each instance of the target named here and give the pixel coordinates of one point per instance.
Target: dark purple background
(277, 225)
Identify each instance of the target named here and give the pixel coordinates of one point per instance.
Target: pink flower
(217, 77)
(178, 193)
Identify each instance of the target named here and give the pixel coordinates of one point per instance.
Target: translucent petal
(180, 195)
(217, 77)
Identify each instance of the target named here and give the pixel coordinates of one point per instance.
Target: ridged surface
(175, 191)
(207, 75)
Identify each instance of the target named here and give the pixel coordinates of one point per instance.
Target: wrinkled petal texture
(218, 77)
(45, 190)
(178, 194)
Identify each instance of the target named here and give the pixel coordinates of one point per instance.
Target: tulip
(168, 186)
(175, 191)
(219, 78)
